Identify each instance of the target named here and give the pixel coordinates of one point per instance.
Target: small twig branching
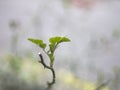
(48, 67)
(54, 42)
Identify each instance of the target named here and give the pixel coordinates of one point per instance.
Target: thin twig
(48, 67)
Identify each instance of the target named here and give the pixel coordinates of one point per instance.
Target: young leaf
(54, 40)
(57, 40)
(64, 39)
(38, 42)
(52, 48)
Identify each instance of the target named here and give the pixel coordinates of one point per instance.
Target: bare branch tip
(39, 53)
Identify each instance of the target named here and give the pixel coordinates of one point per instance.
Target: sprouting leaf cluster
(53, 44)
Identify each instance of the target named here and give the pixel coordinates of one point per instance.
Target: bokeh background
(89, 60)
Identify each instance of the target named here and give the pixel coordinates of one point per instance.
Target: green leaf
(52, 47)
(57, 40)
(38, 42)
(64, 39)
(54, 40)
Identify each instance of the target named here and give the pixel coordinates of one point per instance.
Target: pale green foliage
(38, 42)
(54, 42)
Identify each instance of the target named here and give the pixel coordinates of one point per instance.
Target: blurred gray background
(92, 25)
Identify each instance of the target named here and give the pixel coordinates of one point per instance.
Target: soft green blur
(25, 73)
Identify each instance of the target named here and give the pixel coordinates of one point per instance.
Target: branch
(48, 67)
